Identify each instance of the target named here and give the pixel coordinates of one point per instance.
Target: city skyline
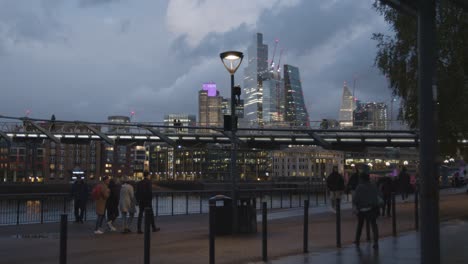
(86, 60)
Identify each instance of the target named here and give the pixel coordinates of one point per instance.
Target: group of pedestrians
(112, 198)
(369, 200)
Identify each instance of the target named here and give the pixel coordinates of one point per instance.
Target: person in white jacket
(127, 205)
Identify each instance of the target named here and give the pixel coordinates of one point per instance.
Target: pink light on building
(211, 88)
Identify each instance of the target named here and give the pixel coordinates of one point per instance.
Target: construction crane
(279, 61)
(278, 87)
(272, 65)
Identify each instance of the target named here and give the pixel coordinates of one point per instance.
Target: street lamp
(232, 61)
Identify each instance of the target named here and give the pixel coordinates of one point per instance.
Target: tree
(397, 59)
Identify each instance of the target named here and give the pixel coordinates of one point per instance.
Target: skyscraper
(295, 110)
(209, 106)
(347, 108)
(254, 75)
(371, 115)
(273, 99)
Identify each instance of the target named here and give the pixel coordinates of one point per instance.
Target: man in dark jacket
(404, 182)
(80, 194)
(335, 184)
(366, 201)
(353, 181)
(144, 196)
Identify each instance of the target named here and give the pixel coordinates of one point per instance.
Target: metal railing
(16, 209)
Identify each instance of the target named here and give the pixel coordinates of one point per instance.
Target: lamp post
(232, 61)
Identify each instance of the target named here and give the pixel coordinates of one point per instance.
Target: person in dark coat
(144, 196)
(80, 192)
(353, 181)
(335, 184)
(404, 182)
(386, 188)
(366, 201)
(112, 204)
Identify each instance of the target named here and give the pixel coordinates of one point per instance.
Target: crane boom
(272, 65)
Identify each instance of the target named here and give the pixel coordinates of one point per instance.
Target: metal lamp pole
(233, 167)
(232, 61)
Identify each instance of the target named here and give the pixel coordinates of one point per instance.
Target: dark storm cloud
(23, 22)
(90, 3)
(133, 59)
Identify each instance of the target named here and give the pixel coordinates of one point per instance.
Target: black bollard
(316, 198)
(211, 228)
(338, 223)
(393, 215)
(325, 196)
(416, 210)
(306, 226)
(63, 238)
(264, 232)
(147, 239)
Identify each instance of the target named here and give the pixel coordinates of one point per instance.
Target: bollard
(306, 226)
(393, 215)
(338, 223)
(316, 198)
(264, 233)
(416, 210)
(211, 232)
(17, 212)
(325, 196)
(147, 239)
(42, 211)
(63, 238)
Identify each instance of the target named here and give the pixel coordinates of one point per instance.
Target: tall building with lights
(255, 73)
(295, 110)
(273, 99)
(371, 115)
(209, 106)
(347, 108)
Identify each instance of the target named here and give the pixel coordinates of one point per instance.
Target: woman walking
(127, 205)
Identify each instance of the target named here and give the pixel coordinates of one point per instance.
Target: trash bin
(222, 206)
(247, 212)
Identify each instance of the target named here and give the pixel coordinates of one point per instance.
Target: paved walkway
(184, 239)
(404, 249)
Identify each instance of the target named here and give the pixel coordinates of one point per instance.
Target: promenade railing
(16, 209)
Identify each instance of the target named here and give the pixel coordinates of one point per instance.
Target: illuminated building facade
(347, 108)
(255, 73)
(295, 111)
(304, 162)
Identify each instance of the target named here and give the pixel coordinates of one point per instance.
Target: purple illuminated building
(210, 88)
(209, 105)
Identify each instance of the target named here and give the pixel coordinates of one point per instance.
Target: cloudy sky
(88, 59)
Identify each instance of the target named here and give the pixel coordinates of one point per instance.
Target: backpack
(96, 192)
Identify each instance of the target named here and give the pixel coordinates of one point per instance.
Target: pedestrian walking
(80, 192)
(335, 184)
(112, 204)
(404, 183)
(144, 196)
(127, 205)
(353, 181)
(386, 189)
(100, 194)
(366, 201)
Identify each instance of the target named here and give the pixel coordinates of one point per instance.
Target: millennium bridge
(21, 129)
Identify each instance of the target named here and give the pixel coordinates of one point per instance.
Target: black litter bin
(247, 215)
(222, 206)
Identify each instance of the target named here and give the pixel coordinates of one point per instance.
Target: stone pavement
(404, 249)
(184, 239)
